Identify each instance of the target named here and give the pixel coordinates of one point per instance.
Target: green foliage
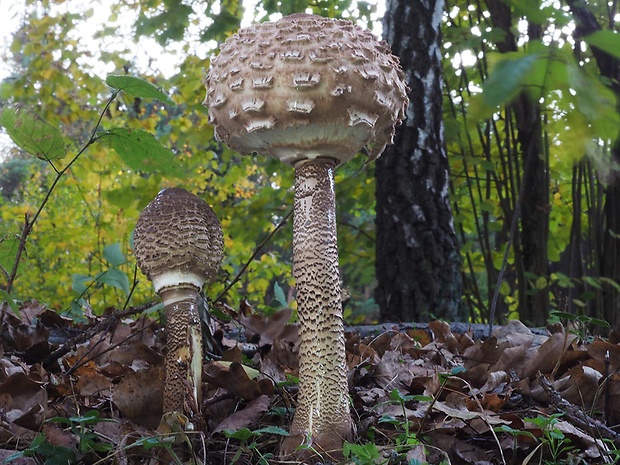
(579, 120)
(607, 41)
(137, 87)
(33, 134)
(141, 151)
(161, 140)
(88, 442)
(361, 454)
(249, 442)
(557, 444)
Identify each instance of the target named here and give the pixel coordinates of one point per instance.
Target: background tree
(525, 214)
(417, 257)
(589, 20)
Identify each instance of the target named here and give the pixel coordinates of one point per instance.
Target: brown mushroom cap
(178, 240)
(305, 87)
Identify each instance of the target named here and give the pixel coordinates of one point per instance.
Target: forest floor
(91, 392)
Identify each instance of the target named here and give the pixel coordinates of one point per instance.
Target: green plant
(553, 439)
(361, 454)
(80, 426)
(407, 438)
(138, 149)
(52, 455)
(249, 442)
(612, 452)
(165, 442)
(580, 325)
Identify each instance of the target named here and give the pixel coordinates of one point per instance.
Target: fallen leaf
(249, 415)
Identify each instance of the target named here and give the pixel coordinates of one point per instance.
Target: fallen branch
(575, 415)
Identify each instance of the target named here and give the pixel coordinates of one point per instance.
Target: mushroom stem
(182, 391)
(322, 420)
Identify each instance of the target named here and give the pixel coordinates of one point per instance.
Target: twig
(254, 255)
(29, 223)
(71, 343)
(576, 416)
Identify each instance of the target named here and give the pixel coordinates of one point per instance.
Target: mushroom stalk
(183, 351)
(322, 419)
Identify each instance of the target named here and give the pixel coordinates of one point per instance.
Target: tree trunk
(530, 242)
(418, 262)
(534, 302)
(609, 67)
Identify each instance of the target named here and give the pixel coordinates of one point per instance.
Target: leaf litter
(91, 392)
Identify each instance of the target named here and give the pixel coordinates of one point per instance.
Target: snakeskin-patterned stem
(322, 419)
(182, 389)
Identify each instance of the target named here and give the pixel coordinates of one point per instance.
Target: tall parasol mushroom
(178, 243)
(311, 92)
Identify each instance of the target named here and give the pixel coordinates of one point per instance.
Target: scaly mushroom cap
(178, 240)
(306, 87)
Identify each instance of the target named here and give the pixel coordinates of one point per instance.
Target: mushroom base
(325, 444)
(322, 420)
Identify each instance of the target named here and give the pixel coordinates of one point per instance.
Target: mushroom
(311, 92)
(178, 243)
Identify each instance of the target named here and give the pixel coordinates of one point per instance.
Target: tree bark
(418, 262)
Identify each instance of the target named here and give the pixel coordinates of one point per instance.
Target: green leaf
(607, 41)
(78, 283)
(279, 294)
(113, 254)
(141, 151)
(115, 278)
(33, 134)
(9, 300)
(565, 315)
(242, 434)
(8, 252)
(595, 283)
(89, 418)
(513, 431)
(271, 430)
(599, 322)
(137, 87)
(367, 452)
(506, 78)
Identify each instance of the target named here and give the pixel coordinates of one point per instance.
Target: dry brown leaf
(139, 396)
(547, 356)
(599, 349)
(25, 401)
(57, 436)
(269, 329)
(245, 417)
(235, 380)
(465, 452)
(486, 352)
(465, 414)
(580, 386)
(590, 446)
(514, 334)
(90, 381)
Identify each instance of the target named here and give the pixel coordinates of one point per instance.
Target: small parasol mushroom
(178, 243)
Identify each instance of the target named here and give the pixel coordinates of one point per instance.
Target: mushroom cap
(178, 240)
(305, 87)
